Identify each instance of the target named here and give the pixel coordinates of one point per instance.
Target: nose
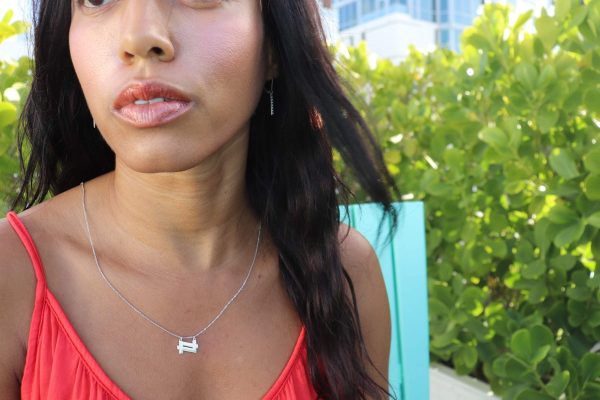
(145, 31)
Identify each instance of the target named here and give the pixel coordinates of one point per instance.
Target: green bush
(14, 86)
(501, 143)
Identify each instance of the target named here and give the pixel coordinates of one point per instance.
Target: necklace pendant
(187, 347)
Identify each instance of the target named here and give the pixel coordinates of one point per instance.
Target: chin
(149, 162)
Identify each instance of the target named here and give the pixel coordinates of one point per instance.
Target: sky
(15, 46)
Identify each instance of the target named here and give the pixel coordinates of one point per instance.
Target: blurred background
(15, 46)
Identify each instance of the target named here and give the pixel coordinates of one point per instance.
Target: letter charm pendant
(187, 346)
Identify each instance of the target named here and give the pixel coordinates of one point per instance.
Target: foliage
(501, 143)
(14, 86)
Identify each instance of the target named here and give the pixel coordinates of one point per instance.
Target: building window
(399, 5)
(423, 10)
(368, 7)
(464, 11)
(348, 16)
(444, 38)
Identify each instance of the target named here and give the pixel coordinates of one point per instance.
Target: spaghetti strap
(27, 241)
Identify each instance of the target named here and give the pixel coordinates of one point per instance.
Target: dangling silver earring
(272, 99)
(94, 123)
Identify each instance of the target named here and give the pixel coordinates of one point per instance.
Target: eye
(93, 3)
(193, 3)
(203, 3)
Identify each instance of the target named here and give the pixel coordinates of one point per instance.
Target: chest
(240, 356)
(232, 362)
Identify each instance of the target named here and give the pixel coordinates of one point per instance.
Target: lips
(152, 114)
(147, 91)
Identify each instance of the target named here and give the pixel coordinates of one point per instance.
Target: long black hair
(290, 177)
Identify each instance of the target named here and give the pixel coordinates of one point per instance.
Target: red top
(59, 366)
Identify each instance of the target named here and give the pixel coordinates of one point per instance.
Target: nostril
(158, 51)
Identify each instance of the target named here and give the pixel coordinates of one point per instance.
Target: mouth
(150, 104)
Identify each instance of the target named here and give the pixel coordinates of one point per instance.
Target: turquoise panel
(403, 264)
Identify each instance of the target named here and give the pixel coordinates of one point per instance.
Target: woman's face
(210, 50)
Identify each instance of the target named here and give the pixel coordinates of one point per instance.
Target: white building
(329, 20)
(390, 35)
(390, 26)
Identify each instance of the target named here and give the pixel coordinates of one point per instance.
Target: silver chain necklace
(182, 346)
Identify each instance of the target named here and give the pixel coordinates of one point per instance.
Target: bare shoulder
(361, 262)
(17, 294)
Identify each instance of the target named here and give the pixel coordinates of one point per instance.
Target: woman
(192, 247)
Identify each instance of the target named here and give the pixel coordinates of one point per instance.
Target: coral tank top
(59, 366)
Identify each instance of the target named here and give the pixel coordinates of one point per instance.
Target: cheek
(78, 52)
(86, 62)
(232, 53)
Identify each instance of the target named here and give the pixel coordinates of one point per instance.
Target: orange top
(59, 366)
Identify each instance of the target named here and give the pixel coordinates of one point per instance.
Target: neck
(193, 221)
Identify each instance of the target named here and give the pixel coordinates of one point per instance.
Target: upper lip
(146, 91)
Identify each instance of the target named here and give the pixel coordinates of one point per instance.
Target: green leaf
(594, 220)
(577, 312)
(587, 31)
(579, 293)
(499, 365)
(8, 114)
(591, 100)
(466, 358)
(511, 126)
(578, 16)
(540, 235)
(547, 29)
(530, 394)
(478, 41)
(446, 338)
(591, 187)
(534, 270)
(496, 248)
(20, 26)
(537, 291)
(494, 137)
(532, 345)
(561, 9)
(522, 20)
(580, 290)
(558, 383)
(393, 157)
(594, 319)
(595, 245)
(541, 336)
(564, 165)
(526, 75)
(570, 234)
(590, 366)
(520, 344)
(524, 253)
(562, 215)
(7, 17)
(546, 120)
(547, 76)
(564, 263)
(592, 160)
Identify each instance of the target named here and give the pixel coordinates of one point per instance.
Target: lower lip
(152, 115)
